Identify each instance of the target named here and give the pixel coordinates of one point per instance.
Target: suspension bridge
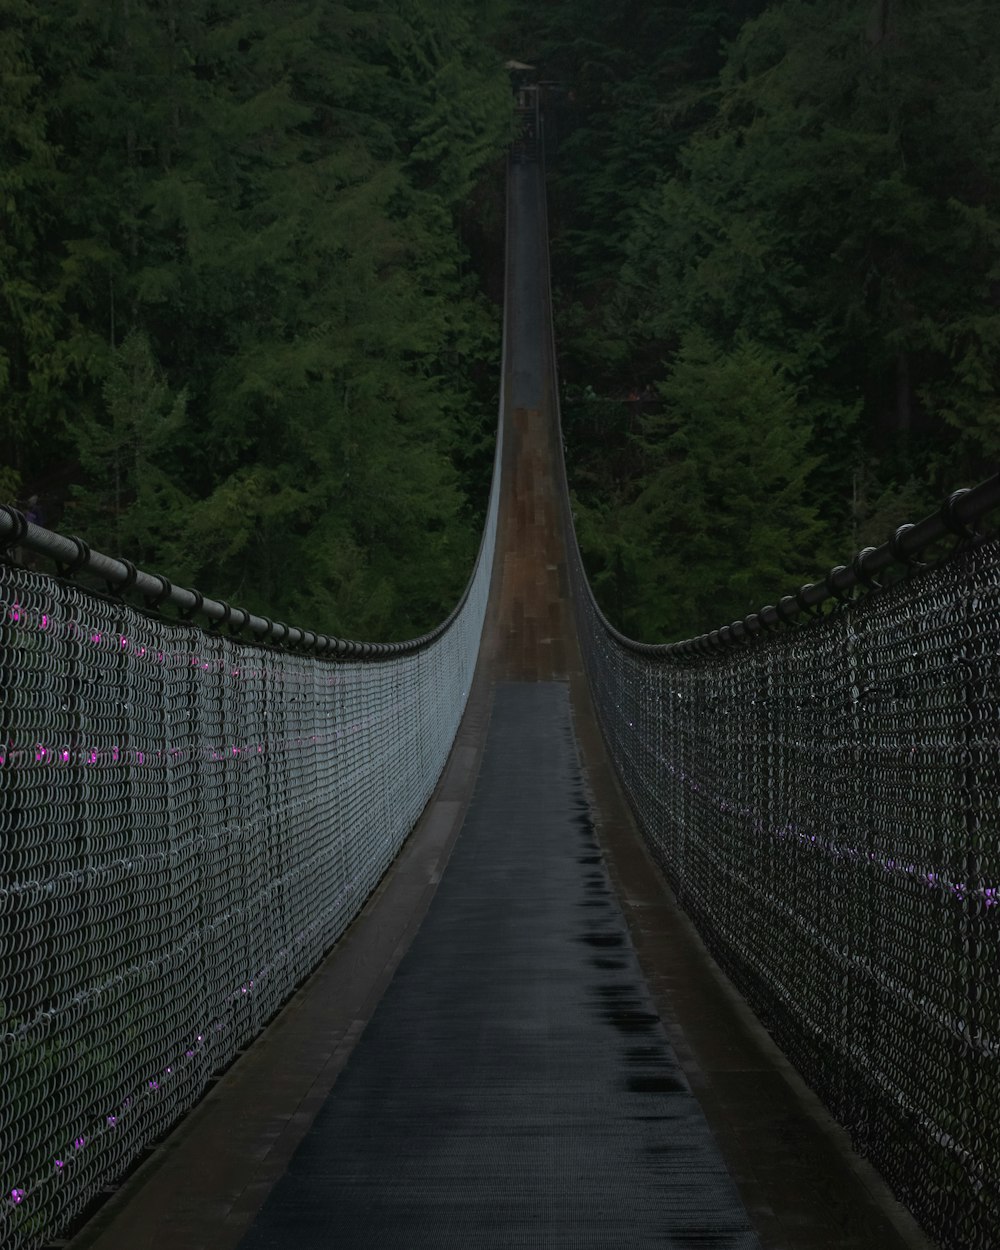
(307, 942)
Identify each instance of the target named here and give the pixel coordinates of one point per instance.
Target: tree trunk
(904, 394)
(879, 29)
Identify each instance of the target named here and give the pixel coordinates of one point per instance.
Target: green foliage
(41, 354)
(243, 328)
(722, 508)
(126, 455)
(633, 80)
(10, 484)
(813, 181)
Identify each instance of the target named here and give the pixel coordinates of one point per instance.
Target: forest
(249, 287)
(776, 231)
(244, 338)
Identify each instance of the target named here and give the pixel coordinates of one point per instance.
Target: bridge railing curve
(821, 786)
(187, 824)
(824, 803)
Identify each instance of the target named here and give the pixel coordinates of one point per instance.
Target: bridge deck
(521, 1079)
(515, 1086)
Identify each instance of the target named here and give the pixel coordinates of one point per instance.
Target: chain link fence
(187, 824)
(825, 801)
(821, 787)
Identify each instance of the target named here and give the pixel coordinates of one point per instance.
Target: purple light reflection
(989, 895)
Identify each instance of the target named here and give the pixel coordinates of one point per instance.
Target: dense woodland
(241, 337)
(249, 257)
(778, 225)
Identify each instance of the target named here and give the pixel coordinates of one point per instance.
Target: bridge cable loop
(868, 580)
(121, 588)
(752, 624)
(787, 609)
(912, 561)
(223, 622)
(78, 562)
(187, 614)
(810, 610)
(237, 627)
(841, 594)
(967, 535)
(156, 598)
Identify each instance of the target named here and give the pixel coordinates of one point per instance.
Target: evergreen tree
(842, 208)
(833, 204)
(722, 509)
(45, 353)
(134, 500)
(255, 206)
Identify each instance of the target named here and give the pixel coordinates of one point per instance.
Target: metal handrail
(961, 511)
(72, 555)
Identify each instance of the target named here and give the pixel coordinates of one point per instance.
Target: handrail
(957, 516)
(202, 817)
(72, 555)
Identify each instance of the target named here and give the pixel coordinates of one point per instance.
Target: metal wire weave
(187, 823)
(825, 803)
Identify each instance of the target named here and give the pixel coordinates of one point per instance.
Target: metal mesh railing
(824, 798)
(826, 803)
(187, 823)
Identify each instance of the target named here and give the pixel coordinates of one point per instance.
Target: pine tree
(253, 206)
